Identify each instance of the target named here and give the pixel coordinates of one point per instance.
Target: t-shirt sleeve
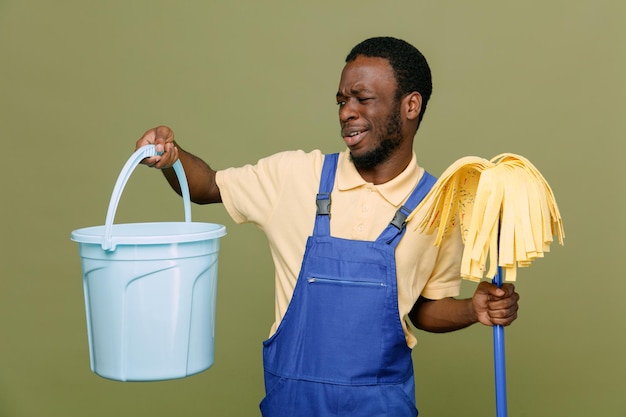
(251, 193)
(445, 280)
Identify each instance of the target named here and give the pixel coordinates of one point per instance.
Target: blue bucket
(150, 291)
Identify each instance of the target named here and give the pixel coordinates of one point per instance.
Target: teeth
(354, 133)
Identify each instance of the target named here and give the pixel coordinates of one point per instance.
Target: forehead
(367, 74)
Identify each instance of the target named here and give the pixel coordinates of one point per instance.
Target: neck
(386, 170)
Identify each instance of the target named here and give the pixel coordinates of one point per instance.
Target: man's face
(369, 112)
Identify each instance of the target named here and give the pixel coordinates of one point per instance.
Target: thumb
(162, 136)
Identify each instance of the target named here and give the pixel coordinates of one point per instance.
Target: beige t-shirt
(278, 195)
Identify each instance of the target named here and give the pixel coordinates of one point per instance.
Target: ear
(412, 105)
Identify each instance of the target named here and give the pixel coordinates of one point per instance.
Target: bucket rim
(151, 233)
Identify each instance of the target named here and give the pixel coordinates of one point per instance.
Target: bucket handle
(134, 160)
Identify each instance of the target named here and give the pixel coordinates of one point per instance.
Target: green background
(80, 81)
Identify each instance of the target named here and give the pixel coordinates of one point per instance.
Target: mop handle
(499, 360)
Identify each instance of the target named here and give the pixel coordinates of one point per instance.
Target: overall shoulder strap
(395, 230)
(327, 181)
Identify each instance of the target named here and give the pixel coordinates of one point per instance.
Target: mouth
(353, 136)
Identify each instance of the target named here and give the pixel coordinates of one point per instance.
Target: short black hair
(409, 65)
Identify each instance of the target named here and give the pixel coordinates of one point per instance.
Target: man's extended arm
(200, 176)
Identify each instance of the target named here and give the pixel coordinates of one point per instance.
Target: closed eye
(360, 100)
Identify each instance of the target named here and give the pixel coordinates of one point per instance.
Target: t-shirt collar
(395, 191)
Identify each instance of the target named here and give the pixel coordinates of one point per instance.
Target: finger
(163, 139)
(502, 308)
(492, 291)
(162, 136)
(151, 161)
(496, 303)
(503, 321)
(486, 287)
(509, 289)
(146, 139)
(168, 158)
(497, 293)
(503, 316)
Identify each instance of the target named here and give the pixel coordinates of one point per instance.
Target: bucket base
(118, 376)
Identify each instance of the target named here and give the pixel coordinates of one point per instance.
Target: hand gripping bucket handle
(134, 160)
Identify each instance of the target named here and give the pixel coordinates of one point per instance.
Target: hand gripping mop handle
(134, 160)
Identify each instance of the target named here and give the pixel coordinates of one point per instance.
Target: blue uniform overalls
(340, 349)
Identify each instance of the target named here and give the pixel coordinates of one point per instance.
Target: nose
(348, 111)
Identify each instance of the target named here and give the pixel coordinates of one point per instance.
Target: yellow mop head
(504, 207)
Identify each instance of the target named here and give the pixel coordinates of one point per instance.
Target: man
(347, 275)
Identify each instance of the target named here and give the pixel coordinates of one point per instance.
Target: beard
(391, 137)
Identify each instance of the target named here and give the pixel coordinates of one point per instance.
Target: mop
(507, 214)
